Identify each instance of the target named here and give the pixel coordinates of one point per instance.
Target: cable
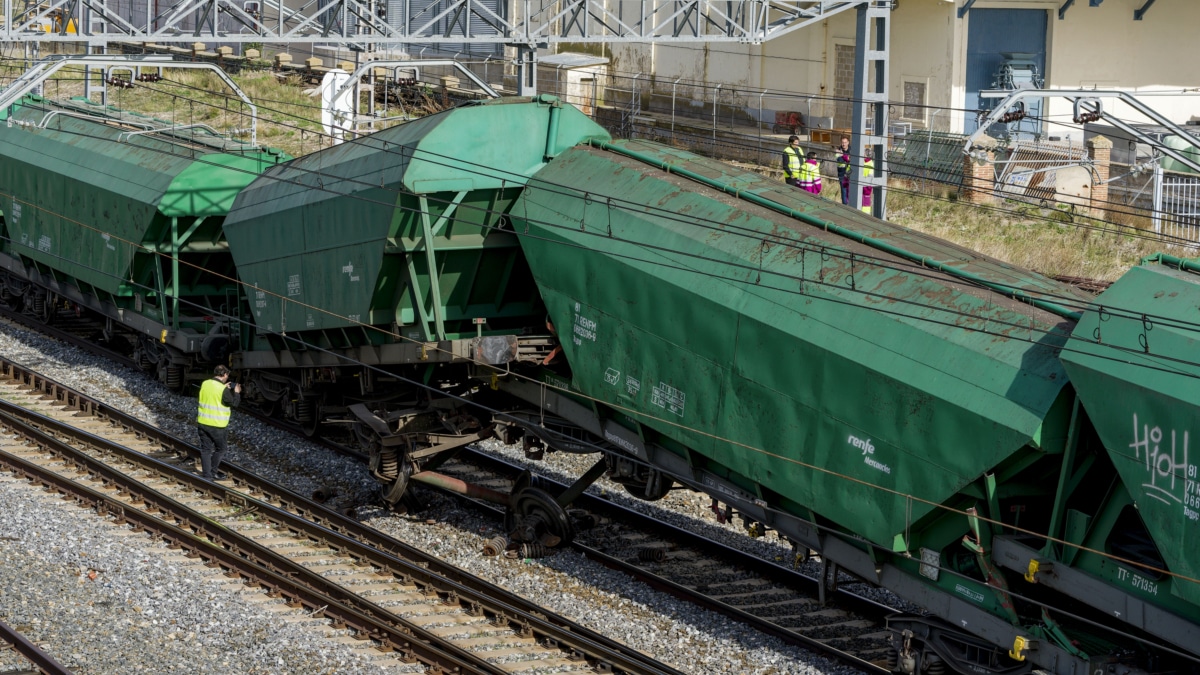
(857, 166)
(833, 474)
(666, 420)
(318, 309)
(756, 237)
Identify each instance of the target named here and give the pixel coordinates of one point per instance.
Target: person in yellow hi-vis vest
(868, 170)
(218, 396)
(793, 158)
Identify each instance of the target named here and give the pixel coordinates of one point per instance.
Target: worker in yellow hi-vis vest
(218, 397)
(868, 170)
(793, 158)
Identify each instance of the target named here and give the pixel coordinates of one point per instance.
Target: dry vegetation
(289, 116)
(1046, 240)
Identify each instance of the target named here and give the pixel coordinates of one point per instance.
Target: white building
(943, 52)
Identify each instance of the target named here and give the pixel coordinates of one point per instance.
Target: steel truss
(364, 22)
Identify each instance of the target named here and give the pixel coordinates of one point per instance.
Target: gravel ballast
(101, 599)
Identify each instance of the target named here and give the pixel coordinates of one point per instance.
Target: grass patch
(1049, 241)
(289, 118)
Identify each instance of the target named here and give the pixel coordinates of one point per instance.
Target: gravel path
(678, 633)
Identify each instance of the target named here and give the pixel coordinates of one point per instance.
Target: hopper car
(1001, 449)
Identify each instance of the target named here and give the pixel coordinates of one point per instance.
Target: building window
(915, 100)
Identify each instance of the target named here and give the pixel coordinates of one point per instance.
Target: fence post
(716, 95)
(1156, 215)
(673, 105)
(1099, 150)
(758, 157)
(979, 178)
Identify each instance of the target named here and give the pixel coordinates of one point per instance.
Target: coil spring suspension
(650, 554)
(324, 494)
(304, 410)
(530, 526)
(174, 377)
(532, 549)
(495, 545)
(39, 303)
(389, 463)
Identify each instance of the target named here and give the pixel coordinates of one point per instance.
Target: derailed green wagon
(894, 402)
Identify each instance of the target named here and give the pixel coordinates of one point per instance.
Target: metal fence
(1177, 205)
(1165, 201)
(932, 160)
(1030, 170)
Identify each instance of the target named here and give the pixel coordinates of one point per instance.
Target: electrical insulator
(1014, 116)
(1088, 110)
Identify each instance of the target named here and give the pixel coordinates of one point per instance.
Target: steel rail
(336, 524)
(327, 527)
(780, 574)
(23, 646)
(209, 541)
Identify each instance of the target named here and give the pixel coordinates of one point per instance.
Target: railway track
(830, 618)
(32, 660)
(372, 590)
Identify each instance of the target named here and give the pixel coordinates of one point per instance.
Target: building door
(992, 33)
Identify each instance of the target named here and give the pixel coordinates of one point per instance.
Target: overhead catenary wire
(638, 207)
(362, 140)
(505, 415)
(1112, 207)
(1023, 327)
(669, 422)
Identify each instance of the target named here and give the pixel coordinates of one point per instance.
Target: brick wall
(843, 85)
(979, 180)
(1100, 152)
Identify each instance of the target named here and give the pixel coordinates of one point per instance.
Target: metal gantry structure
(366, 22)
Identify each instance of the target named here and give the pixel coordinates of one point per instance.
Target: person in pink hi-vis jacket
(810, 174)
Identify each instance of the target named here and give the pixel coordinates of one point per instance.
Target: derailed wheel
(654, 489)
(534, 515)
(394, 493)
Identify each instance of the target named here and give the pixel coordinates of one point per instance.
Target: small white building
(944, 52)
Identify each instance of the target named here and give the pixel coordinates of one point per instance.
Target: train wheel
(652, 490)
(394, 494)
(534, 516)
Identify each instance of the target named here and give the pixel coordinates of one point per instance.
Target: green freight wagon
(887, 399)
(1134, 359)
(122, 214)
(394, 250)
